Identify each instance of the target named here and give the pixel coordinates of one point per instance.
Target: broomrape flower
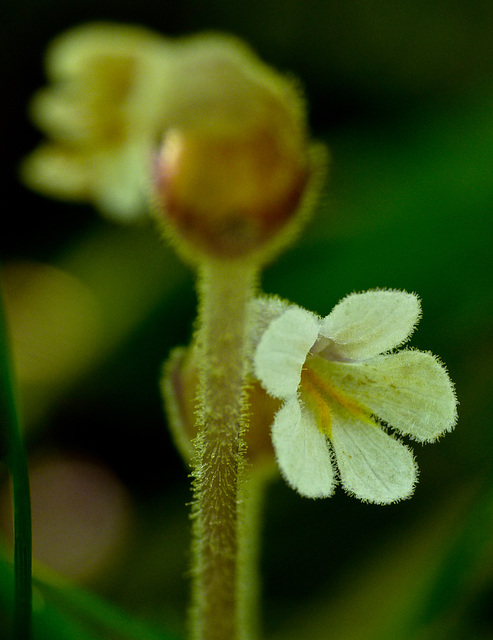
(101, 114)
(198, 126)
(342, 386)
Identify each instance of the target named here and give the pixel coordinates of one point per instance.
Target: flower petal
(74, 50)
(409, 390)
(57, 172)
(60, 116)
(282, 350)
(302, 452)
(373, 466)
(263, 310)
(120, 186)
(363, 325)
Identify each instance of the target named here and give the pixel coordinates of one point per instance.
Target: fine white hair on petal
(262, 311)
(282, 350)
(302, 452)
(410, 390)
(366, 324)
(373, 466)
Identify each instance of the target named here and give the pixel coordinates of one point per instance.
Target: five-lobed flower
(342, 385)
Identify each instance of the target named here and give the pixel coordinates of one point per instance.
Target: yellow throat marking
(318, 393)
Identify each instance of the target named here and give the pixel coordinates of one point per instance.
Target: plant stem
(225, 290)
(252, 499)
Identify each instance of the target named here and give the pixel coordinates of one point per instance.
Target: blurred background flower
(403, 94)
(102, 115)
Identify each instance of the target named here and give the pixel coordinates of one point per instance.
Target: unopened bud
(179, 387)
(235, 164)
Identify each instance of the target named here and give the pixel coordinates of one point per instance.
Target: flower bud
(180, 383)
(234, 166)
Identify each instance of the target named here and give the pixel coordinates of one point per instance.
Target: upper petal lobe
(364, 325)
(282, 350)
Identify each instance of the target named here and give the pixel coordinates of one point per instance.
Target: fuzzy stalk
(224, 292)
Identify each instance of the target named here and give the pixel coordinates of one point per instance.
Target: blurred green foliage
(403, 94)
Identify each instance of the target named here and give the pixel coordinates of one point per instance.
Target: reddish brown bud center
(227, 194)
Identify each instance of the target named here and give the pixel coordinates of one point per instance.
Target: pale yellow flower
(343, 386)
(102, 116)
(200, 123)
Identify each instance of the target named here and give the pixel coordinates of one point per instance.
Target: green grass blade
(17, 463)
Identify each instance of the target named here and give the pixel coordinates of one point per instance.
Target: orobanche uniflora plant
(217, 142)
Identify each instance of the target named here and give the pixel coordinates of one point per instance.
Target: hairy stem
(225, 290)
